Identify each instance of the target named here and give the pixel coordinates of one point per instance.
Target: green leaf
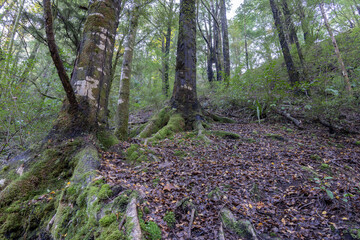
(330, 193)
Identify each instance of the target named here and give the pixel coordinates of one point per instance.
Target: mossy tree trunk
(124, 92)
(184, 98)
(92, 73)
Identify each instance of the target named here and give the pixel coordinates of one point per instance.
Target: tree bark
(293, 36)
(225, 37)
(56, 57)
(167, 50)
(337, 51)
(217, 43)
(292, 72)
(92, 71)
(124, 90)
(184, 97)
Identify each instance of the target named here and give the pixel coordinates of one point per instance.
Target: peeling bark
(92, 73)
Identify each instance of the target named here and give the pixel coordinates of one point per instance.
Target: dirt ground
(290, 183)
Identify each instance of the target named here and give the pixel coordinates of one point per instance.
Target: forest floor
(290, 183)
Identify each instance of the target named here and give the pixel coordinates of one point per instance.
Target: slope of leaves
(290, 184)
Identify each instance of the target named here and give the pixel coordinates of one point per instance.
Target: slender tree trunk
(304, 23)
(225, 37)
(293, 36)
(12, 38)
(211, 52)
(124, 90)
(30, 62)
(292, 72)
(92, 72)
(56, 56)
(217, 44)
(167, 49)
(184, 97)
(246, 44)
(337, 51)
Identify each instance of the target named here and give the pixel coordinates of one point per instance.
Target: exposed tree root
(132, 221)
(217, 118)
(243, 228)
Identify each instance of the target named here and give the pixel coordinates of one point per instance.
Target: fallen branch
(286, 115)
(335, 128)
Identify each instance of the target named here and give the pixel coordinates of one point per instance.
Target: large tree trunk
(124, 90)
(92, 71)
(67, 160)
(337, 51)
(225, 37)
(184, 97)
(292, 72)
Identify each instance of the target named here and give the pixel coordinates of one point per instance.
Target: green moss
(175, 124)
(133, 148)
(315, 157)
(224, 134)
(107, 220)
(107, 139)
(357, 143)
(142, 158)
(324, 166)
(133, 157)
(5, 168)
(169, 218)
(152, 231)
(157, 122)
(105, 192)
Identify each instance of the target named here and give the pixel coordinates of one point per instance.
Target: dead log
(286, 115)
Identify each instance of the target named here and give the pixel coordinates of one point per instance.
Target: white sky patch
(235, 4)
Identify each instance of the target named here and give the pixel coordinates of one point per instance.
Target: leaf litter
(288, 183)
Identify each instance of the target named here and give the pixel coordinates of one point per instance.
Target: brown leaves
(266, 181)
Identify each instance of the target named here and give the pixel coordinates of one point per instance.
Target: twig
(191, 222)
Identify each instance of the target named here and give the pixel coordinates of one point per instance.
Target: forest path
(289, 183)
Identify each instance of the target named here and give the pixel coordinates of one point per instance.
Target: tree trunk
(293, 36)
(184, 97)
(246, 44)
(167, 49)
(225, 37)
(292, 72)
(64, 78)
(124, 90)
(217, 43)
(304, 22)
(92, 72)
(337, 51)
